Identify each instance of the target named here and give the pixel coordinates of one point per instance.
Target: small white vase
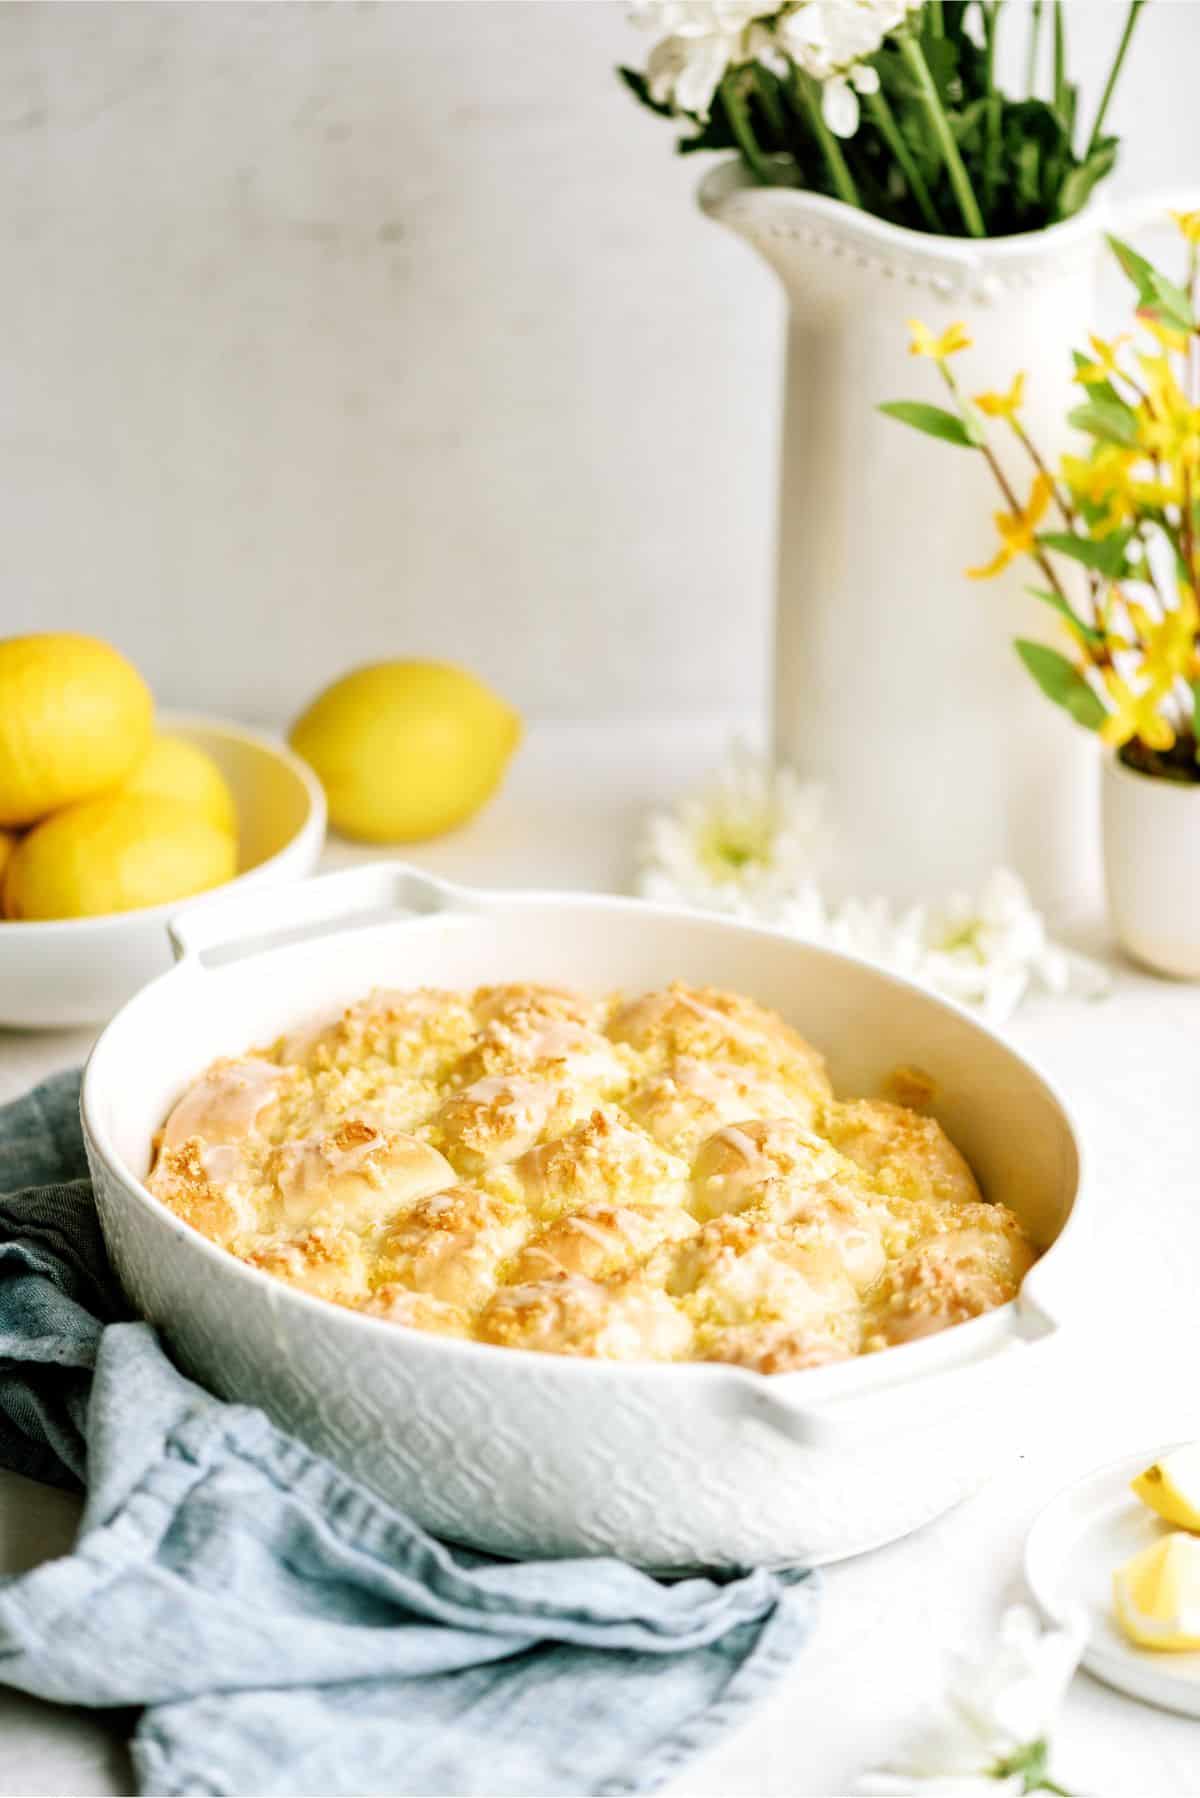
(896, 683)
(1152, 867)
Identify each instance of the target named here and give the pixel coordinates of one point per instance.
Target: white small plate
(1071, 1553)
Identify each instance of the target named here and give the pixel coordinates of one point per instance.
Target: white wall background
(330, 332)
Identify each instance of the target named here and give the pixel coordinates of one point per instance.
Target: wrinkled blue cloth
(279, 1627)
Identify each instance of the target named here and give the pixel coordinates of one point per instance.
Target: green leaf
(1030, 1763)
(1135, 266)
(1111, 421)
(640, 88)
(1062, 682)
(1028, 172)
(974, 422)
(935, 421)
(1155, 293)
(1096, 390)
(1171, 303)
(1077, 187)
(1087, 632)
(1177, 318)
(1105, 554)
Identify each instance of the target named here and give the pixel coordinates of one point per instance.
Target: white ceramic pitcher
(895, 678)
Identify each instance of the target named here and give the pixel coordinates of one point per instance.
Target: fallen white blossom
(753, 844)
(993, 1731)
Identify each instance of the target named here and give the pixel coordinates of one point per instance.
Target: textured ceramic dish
(79, 970)
(1071, 1554)
(525, 1453)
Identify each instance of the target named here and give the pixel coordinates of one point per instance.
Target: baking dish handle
(224, 931)
(918, 1402)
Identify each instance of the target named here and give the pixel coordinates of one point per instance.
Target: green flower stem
(937, 24)
(1130, 21)
(968, 205)
(991, 16)
(771, 104)
(738, 115)
(1188, 527)
(1060, 56)
(1038, 555)
(843, 180)
(890, 131)
(991, 161)
(1061, 499)
(1035, 34)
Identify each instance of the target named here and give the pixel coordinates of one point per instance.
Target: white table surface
(1129, 1373)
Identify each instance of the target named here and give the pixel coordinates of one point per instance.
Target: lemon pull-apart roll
(663, 1178)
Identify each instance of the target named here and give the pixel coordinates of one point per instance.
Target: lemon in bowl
(60, 972)
(406, 750)
(118, 853)
(183, 774)
(75, 718)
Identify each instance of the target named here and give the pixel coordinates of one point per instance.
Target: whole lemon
(120, 852)
(74, 718)
(406, 750)
(174, 769)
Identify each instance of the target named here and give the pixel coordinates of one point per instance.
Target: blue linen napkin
(283, 1628)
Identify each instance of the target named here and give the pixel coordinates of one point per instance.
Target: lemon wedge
(1172, 1486)
(1156, 1595)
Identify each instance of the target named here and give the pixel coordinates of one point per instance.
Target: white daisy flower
(989, 951)
(831, 40)
(685, 72)
(992, 1734)
(752, 843)
(704, 39)
(686, 17)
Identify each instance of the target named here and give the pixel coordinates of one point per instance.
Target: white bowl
(74, 971)
(526, 1453)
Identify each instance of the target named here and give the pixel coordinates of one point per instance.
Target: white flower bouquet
(889, 105)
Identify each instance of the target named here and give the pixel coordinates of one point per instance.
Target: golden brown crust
(667, 1177)
(707, 1024)
(949, 1278)
(602, 1157)
(450, 1245)
(623, 1320)
(599, 1241)
(329, 1263)
(182, 1181)
(771, 1161)
(909, 1155)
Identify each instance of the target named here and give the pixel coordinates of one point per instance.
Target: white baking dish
(524, 1453)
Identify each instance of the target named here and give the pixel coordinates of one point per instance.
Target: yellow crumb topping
(666, 1178)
